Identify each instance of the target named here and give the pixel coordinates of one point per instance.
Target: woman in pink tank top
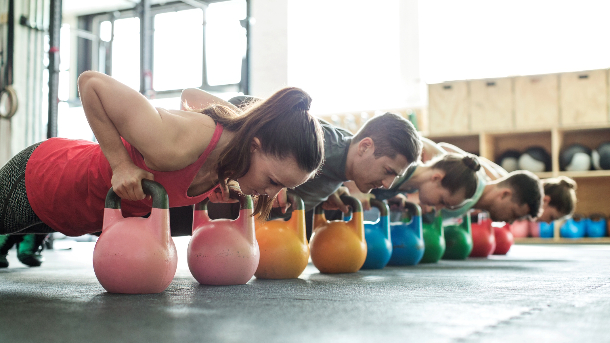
(60, 184)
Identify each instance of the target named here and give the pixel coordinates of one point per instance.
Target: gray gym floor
(542, 293)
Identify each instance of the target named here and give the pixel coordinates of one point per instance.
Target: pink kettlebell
(223, 251)
(136, 255)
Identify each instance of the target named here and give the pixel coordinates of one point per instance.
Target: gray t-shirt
(332, 173)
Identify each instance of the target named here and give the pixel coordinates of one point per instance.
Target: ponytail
(284, 127)
(562, 191)
(460, 172)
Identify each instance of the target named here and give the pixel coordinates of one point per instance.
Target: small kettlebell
(434, 240)
(483, 239)
(339, 246)
(407, 238)
(504, 239)
(377, 236)
(223, 251)
(458, 240)
(136, 255)
(283, 245)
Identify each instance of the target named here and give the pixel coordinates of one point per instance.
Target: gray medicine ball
(601, 156)
(575, 157)
(535, 159)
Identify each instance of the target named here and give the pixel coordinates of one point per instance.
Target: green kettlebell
(458, 240)
(434, 240)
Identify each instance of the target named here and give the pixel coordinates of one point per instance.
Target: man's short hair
(392, 135)
(527, 189)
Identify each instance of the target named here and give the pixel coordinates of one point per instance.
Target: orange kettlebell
(223, 251)
(339, 246)
(136, 255)
(283, 244)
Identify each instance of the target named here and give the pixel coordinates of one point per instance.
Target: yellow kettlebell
(339, 246)
(283, 245)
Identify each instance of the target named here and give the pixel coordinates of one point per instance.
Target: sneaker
(3, 261)
(33, 260)
(28, 251)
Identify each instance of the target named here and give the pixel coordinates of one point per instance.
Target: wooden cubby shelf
(552, 111)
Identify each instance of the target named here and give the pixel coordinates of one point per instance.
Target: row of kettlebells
(578, 226)
(137, 255)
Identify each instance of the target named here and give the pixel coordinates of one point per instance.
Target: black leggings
(16, 214)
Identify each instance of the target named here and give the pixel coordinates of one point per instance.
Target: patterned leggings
(16, 214)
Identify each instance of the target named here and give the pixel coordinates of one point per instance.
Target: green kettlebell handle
(381, 206)
(152, 188)
(296, 202)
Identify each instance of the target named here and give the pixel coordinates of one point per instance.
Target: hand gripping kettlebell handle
(381, 206)
(152, 188)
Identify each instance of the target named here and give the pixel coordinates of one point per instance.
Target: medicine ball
(575, 157)
(509, 160)
(535, 159)
(601, 156)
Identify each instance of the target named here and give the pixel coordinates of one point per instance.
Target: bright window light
(472, 39)
(126, 52)
(226, 42)
(178, 50)
(346, 54)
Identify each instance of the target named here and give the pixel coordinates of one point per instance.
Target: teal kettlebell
(377, 236)
(407, 238)
(434, 240)
(458, 240)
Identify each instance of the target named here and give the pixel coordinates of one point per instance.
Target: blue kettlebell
(458, 240)
(377, 236)
(596, 226)
(547, 230)
(407, 238)
(573, 227)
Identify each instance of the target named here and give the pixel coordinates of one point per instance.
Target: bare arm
(198, 99)
(114, 110)
(430, 150)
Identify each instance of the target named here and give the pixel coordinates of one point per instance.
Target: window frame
(97, 46)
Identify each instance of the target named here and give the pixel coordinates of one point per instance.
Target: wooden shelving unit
(488, 117)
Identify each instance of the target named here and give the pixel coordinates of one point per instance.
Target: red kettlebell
(136, 255)
(283, 244)
(504, 239)
(223, 251)
(520, 228)
(339, 246)
(483, 239)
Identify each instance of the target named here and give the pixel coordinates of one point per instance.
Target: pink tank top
(67, 181)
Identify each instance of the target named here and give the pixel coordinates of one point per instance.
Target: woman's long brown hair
(284, 127)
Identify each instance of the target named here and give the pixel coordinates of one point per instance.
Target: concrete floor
(544, 293)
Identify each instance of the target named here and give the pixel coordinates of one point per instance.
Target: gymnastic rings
(8, 102)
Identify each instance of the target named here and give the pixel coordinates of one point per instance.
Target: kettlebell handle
(245, 202)
(348, 200)
(152, 188)
(296, 202)
(412, 207)
(381, 206)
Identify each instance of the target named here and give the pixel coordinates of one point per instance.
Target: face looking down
(504, 209)
(375, 172)
(432, 193)
(268, 174)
